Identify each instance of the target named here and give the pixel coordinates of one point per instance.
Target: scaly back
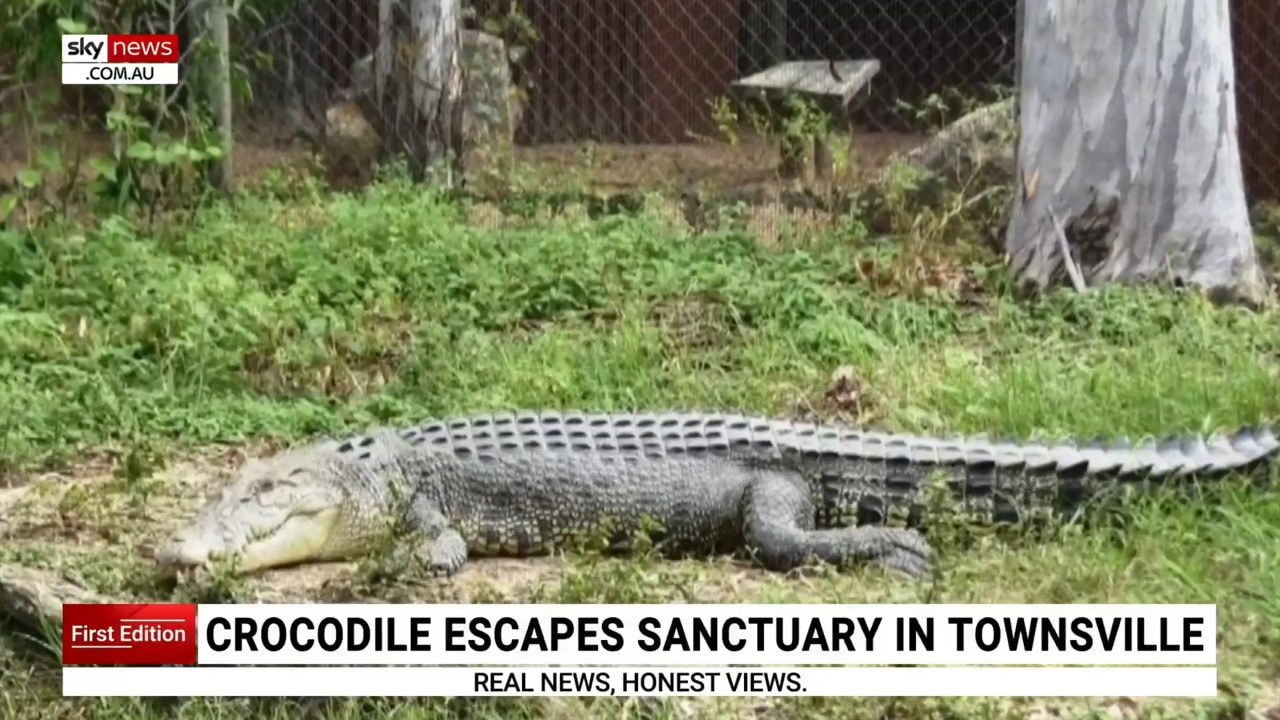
(682, 433)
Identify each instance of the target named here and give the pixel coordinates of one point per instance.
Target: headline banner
(707, 635)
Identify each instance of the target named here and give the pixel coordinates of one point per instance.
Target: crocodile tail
(1011, 481)
(1175, 456)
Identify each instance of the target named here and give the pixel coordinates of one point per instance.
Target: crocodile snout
(183, 552)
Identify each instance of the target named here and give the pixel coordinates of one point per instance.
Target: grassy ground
(135, 362)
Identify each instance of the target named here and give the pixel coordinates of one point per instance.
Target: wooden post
(823, 162)
(1019, 22)
(778, 30)
(792, 151)
(211, 21)
(418, 84)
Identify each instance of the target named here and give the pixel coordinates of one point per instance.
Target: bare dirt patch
(749, 164)
(92, 527)
(96, 527)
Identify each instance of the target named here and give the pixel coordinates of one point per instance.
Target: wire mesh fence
(649, 86)
(646, 95)
(1256, 37)
(638, 93)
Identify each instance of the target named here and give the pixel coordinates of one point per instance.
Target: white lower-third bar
(120, 74)
(373, 681)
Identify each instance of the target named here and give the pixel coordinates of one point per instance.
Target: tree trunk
(1127, 151)
(418, 83)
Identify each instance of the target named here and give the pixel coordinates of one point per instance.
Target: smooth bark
(1127, 151)
(418, 82)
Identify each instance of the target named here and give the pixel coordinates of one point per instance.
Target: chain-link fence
(642, 94)
(1256, 34)
(646, 95)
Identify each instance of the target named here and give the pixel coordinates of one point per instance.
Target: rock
(351, 145)
(986, 138)
(492, 109)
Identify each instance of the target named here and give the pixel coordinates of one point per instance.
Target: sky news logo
(120, 59)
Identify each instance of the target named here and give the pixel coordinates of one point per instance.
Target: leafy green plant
(795, 123)
(804, 120)
(724, 113)
(515, 29)
(159, 153)
(148, 167)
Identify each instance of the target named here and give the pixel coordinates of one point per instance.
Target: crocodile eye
(266, 485)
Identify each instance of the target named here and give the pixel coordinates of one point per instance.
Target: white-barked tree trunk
(1127, 147)
(418, 82)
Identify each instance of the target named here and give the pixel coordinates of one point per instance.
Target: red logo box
(142, 48)
(128, 634)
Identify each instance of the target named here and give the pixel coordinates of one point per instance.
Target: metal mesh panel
(1256, 36)
(649, 72)
(625, 94)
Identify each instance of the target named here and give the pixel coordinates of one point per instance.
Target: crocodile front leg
(435, 544)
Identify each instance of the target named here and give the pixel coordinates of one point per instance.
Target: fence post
(779, 22)
(211, 20)
(1020, 15)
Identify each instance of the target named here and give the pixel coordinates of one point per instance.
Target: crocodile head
(284, 510)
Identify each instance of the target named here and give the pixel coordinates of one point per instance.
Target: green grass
(294, 318)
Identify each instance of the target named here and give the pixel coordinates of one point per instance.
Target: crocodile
(785, 493)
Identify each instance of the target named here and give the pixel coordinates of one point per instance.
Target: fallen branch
(1064, 246)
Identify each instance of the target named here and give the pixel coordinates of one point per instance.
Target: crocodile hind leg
(778, 517)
